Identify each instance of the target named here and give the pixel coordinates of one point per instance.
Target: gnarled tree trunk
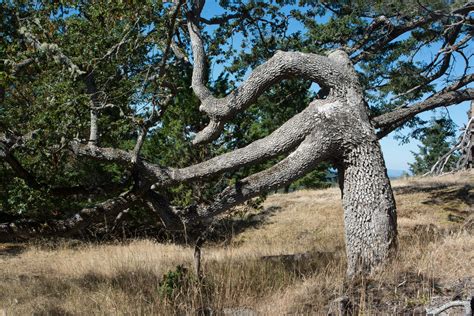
(369, 208)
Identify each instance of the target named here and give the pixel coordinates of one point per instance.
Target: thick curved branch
(283, 65)
(24, 229)
(329, 72)
(199, 76)
(323, 70)
(313, 150)
(281, 141)
(390, 121)
(285, 138)
(165, 213)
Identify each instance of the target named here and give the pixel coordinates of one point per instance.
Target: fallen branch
(466, 304)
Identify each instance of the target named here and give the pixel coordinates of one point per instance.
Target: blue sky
(397, 156)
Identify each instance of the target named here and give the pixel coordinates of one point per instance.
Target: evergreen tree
(436, 140)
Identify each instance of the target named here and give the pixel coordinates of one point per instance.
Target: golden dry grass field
(248, 274)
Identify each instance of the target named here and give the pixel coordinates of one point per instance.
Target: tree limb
(328, 72)
(390, 121)
(94, 104)
(463, 144)
(24, 229)
(285, 138)
(398, 30)
(166, 213)
(315, 149)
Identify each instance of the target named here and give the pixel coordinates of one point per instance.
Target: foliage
(122, 44)
(173, 281)
(436, 140)
(319, 178)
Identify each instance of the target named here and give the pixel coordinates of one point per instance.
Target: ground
(253, 268)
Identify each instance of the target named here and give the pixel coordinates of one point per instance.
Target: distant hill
(395, 173)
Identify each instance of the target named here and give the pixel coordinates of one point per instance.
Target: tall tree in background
(436, 141)
(108, 107)
(461, 154)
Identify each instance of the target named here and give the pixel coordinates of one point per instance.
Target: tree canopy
(100, 99)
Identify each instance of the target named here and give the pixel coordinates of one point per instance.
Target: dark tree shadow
(464, 194)
(457, 201)
(9, 250)
(423, 188)
(442, 194)
(231, 226)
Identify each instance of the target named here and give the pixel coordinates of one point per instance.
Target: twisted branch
(329, 72)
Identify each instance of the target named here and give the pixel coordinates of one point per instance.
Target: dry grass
(435, 259)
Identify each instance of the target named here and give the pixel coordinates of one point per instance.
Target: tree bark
(369, 209)
(94, 104)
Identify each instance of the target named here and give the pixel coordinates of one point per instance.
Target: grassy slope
(434, 262)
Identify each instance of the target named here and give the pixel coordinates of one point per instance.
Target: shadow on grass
(450, 198)
(417, 188)
(9, 250)
(405, 295)
(464, 194)
(230, 227)
(304, 264)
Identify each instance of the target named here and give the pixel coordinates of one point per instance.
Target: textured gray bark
(340, 132)
(369, 208)
(281, 141)
(315, 149)
(91, 90)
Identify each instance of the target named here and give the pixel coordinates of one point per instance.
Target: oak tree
(108, 107)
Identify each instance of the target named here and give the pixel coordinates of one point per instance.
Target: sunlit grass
(145, 277)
